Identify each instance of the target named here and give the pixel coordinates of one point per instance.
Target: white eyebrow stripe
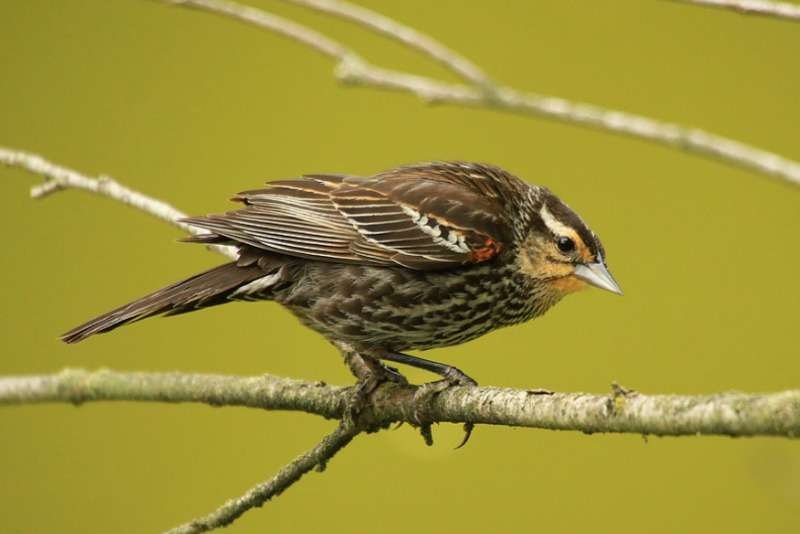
(556, 226)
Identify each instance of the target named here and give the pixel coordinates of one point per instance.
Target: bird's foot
(392, 374)
(425, 394)
(373, 374)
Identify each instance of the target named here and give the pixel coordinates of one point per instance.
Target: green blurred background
(192, 108)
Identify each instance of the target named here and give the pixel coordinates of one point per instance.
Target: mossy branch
(620, 411)
(261, 493)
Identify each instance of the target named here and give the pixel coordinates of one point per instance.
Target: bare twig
(260, 494)
(59, 178)
(781, 10)
(273, 23)
(410, 37)
(620, 411)
(353, 69)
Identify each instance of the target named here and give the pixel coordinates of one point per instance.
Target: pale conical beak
(597, 275)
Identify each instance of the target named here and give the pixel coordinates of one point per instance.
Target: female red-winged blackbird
(417, 257)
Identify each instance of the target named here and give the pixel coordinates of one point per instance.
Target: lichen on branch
(619, 411)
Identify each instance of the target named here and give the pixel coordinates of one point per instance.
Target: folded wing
(406, 220)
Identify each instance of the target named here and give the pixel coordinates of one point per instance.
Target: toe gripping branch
(371, 373)
(451, 376)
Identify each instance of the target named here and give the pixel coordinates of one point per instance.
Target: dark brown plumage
(417, 257)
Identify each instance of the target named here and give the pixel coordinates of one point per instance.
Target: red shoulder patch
(487, 251)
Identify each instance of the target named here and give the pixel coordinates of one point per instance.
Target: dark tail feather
(200, 291)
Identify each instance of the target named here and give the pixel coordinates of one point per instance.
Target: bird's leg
(451, 376)
(370, 373)
(368, 369)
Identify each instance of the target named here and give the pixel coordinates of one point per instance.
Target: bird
(418, 257)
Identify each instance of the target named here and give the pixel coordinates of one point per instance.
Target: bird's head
(558, 250)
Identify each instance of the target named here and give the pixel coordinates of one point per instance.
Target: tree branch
(59, 178)
(410, 37)
(621, 411)
(780, 10)
(288, 475)
(353, 69)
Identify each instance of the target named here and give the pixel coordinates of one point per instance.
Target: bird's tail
(212, 287)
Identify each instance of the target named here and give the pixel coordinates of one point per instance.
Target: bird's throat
(567, 284)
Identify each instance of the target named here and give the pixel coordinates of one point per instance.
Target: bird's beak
(597, 275)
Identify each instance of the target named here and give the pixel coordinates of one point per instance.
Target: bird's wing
(411, 221)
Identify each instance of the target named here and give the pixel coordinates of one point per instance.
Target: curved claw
(427, 434)
(452, 376)
(425, 394)
(468, 428)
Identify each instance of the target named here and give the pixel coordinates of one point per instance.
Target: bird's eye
(565, 244)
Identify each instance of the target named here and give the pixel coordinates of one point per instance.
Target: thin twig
(268, 21)
(353, 69)
(410, 37)
(59, 178)
(260, 494)
(620, 411)
(780, 10)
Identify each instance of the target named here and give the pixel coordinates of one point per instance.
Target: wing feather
(413, 220)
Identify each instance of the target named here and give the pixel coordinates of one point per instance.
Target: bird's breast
(401, 309)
